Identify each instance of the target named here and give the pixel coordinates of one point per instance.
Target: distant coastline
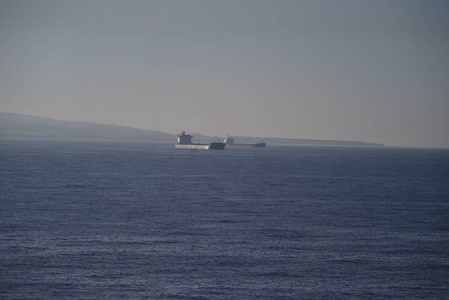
(14, 125)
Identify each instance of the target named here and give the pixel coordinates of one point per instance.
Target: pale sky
(374, 71)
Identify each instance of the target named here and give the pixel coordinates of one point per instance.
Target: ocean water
(130, 220)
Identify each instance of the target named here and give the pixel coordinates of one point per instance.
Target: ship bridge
(184, 138)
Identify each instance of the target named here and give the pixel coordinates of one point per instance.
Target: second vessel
(230, 142)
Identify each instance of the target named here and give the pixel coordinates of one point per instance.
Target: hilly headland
(26, 126)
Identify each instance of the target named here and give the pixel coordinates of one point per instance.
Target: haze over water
(373, 71)
(142, 220)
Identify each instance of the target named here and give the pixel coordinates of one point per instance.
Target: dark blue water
(105, 220)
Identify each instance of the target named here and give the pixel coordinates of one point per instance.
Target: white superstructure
(185, 141)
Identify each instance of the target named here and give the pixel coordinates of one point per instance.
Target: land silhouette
(26, 126)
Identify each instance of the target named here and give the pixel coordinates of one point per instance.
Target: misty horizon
(13, 125)
(325, 70)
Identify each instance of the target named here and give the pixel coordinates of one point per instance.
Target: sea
(140, 220)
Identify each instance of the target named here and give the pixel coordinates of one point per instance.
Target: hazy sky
(375, 71)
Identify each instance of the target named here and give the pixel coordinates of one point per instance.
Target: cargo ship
(229, 141)
(185, 141)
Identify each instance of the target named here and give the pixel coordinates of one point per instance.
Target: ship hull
(192, 146)
(211, 146)
(217, 146)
